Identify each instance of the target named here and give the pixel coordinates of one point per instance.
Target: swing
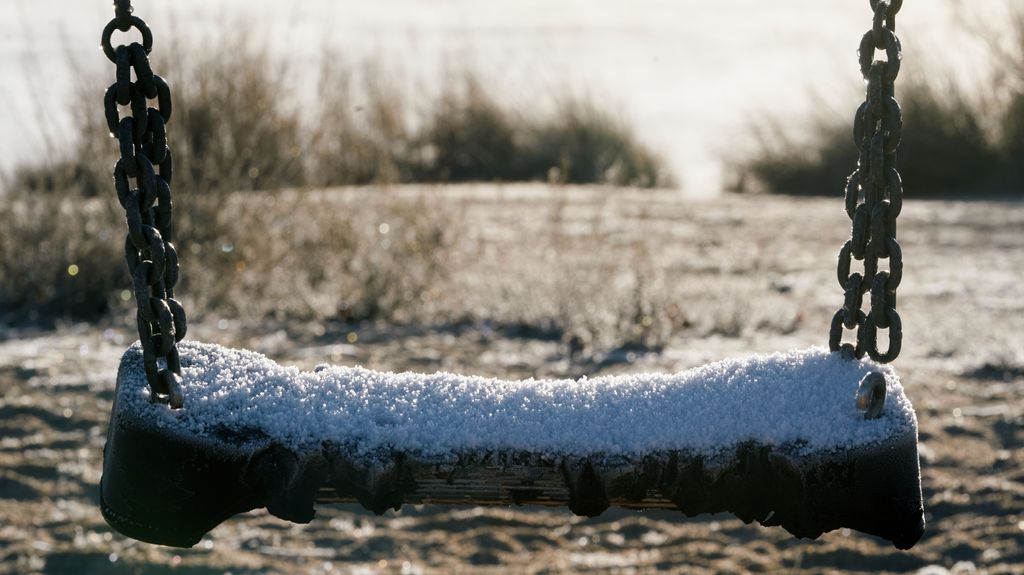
(809, 440)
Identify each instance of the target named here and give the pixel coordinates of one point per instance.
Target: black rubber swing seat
(776, 439)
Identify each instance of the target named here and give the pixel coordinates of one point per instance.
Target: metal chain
(146, 162)
(877, 131)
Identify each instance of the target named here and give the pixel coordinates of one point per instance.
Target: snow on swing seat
(773, 438)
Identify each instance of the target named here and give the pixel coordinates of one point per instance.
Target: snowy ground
(753, 258)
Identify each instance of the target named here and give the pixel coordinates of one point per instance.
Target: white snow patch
(804, 398)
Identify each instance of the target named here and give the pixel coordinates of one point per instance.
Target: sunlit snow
(803, 398)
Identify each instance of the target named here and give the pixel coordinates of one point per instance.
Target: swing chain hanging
(123, 14)
(146, 161)
(877, 130)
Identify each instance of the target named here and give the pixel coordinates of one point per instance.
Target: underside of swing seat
(776, 439)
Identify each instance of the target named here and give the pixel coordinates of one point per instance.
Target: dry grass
(267, 255)
(558, 263)
(367, 131)
(945, 150)
(239, 135)
(957, 140)
(239, 124)
(292, 256)
(60, 259)
(1008, 52)
(429, 256)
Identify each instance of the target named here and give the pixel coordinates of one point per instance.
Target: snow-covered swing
(809, 440)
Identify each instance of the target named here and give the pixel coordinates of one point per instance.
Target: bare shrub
(362, 132)
(319, 256)
(60, 259)
(571, 276)
(237, 129)
(955, 141)
(945, 147)
(234, 125)
(581, 143)
(368, 132)
(1007, 91)
(469, 137)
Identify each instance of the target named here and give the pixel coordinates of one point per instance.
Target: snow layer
(803, 398)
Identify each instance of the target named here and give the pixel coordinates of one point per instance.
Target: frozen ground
(763, 266)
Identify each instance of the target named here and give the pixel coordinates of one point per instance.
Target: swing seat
(777, 439)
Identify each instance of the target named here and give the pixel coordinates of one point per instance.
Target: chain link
(146, 161)
(877, 130)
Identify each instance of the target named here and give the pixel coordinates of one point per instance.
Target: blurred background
(689, 80)
(515, 189)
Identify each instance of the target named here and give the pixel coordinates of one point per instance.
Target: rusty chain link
(877, 131)
(146, 161)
